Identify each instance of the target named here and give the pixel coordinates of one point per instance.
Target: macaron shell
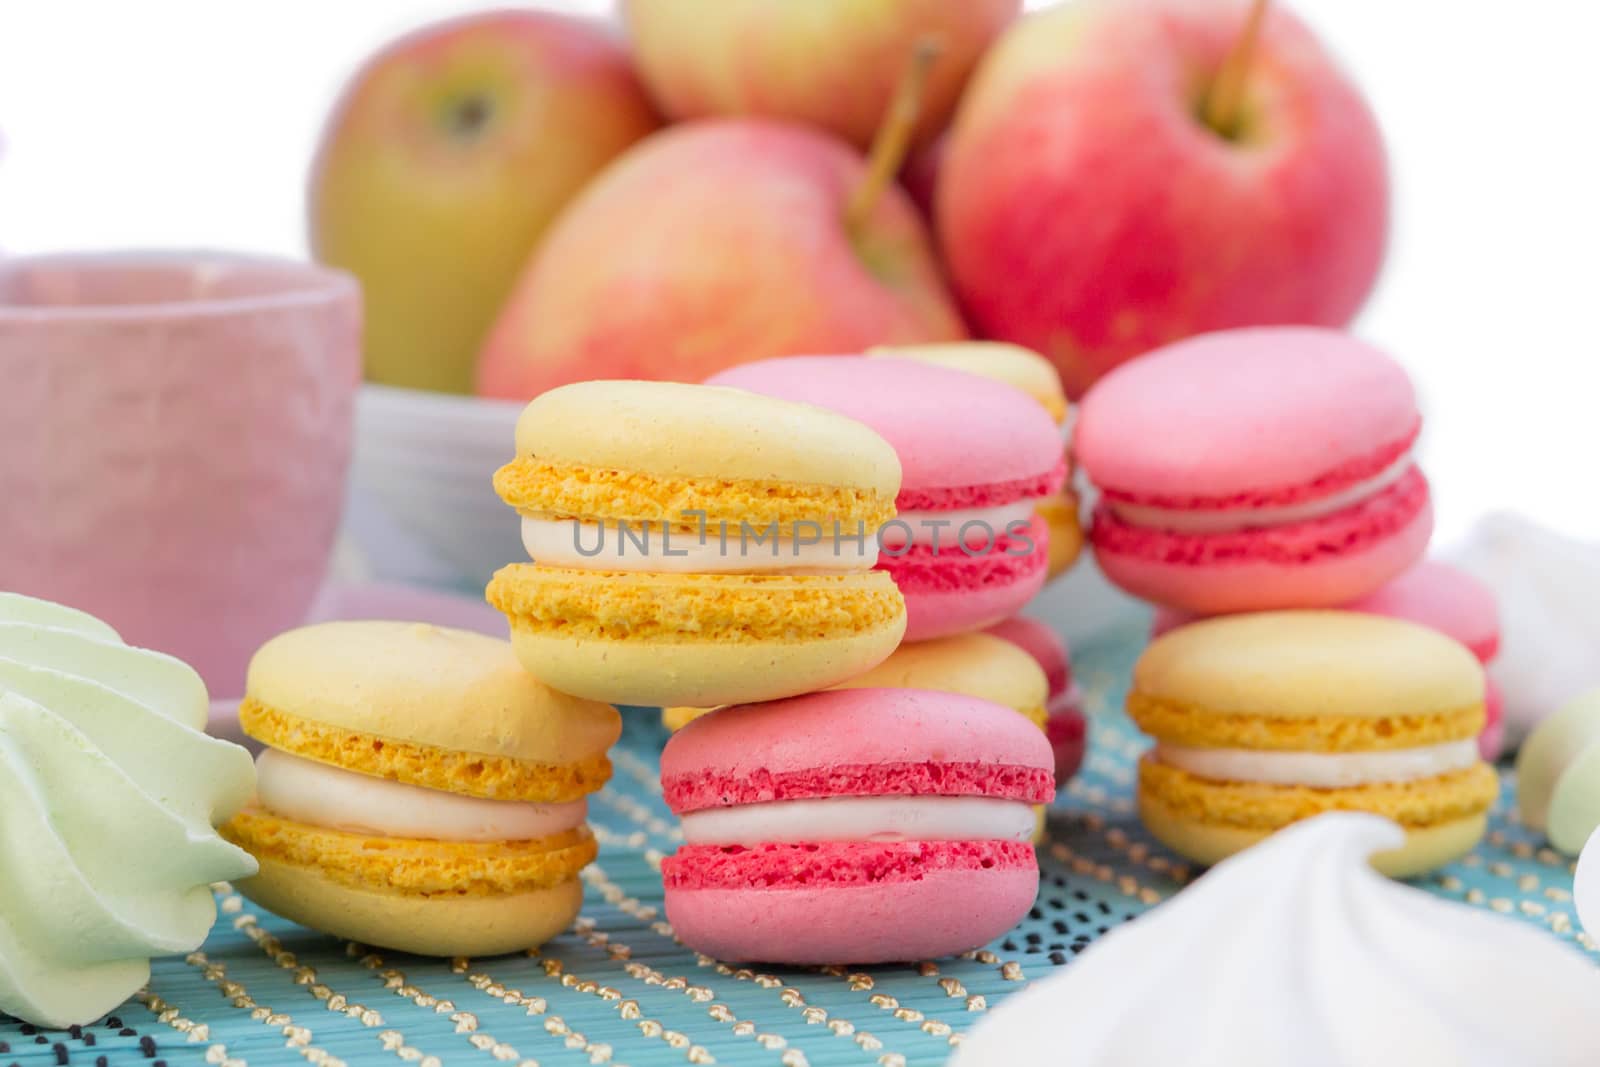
(1004, 435)
(1443, 597)
(853, 727)
(476, 774)
(1426, 848)
(972, 664)
(1060, 514)
(1021, 368)
(1320, 563)
(1309, 664)
(674, 429)
(1068, 731)
(1041, 642)
(703, 673)
(941, 912)
(659, 640)
(1240, 412)
(1432, 593)
(430, 685)
(440, 925)
(954, 592)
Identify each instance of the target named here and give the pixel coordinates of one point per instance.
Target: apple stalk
(1227, 92)
(893, 138)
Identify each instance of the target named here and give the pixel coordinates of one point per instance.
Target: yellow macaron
(696, 545)
(1035, 375)
(420, 791)
(1265, 719)
(971, 664)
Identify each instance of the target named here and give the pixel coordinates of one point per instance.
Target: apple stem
(893, 139)
(1222, 103)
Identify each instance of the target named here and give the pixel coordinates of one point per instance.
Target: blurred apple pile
(531, 199)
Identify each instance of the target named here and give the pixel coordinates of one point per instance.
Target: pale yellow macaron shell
(442, 925)
(448, 709)
(704, 431)
(1309, 681)
(1019, 367)
(974, 664)
(1427, 847)
(666, 452)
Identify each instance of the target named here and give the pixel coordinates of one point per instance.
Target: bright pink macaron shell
(975, 448)
(859, 897)
(1066, 726)
(1255, 469)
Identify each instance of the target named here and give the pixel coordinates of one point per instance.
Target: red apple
(1089, 209)
(713, 243)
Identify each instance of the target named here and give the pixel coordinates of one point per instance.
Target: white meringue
(1297, 952)
(1586, 887)
(109, 792)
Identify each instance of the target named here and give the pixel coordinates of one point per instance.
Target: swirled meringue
(1297, 951)
(109, 791)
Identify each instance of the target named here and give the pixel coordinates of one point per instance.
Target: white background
(191, 122)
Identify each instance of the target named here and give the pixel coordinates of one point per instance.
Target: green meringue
(109, 792)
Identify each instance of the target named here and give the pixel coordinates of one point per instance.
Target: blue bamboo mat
(620, 990)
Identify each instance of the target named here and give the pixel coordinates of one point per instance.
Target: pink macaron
(1255, 469)
(853, 826)
(976, 457)
(1432, 594)
(1065, 726)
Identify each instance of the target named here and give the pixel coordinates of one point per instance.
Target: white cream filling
(1321, 770)
(879, 818)
(1224, 520)
(950, 528)
(320, 795)
(657, 549)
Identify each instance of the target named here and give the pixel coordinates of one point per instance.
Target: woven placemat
(621, 990)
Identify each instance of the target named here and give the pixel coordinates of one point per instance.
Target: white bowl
(422, 505)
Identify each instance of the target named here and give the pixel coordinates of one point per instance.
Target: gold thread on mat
(466, 1023)
(613, 894)
(193, 1032)
(297, 1037)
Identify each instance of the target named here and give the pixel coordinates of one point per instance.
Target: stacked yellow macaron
(1265, 719)
(1030, 372)
(696, 545)
(420, 791)
(971, 664)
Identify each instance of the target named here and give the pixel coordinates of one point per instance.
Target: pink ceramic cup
(174, 437)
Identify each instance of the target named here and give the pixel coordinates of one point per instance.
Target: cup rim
(321, 284)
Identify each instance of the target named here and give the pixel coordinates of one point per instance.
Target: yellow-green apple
(1092, 204)
(829, 63)
(446, 159)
